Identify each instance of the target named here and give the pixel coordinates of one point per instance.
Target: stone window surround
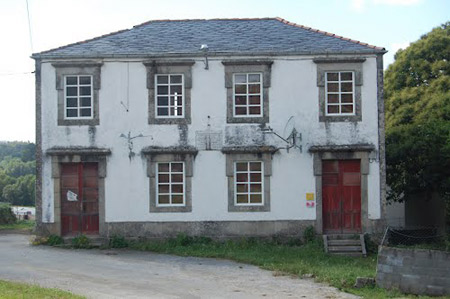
(163, 67)
(247, 66)
(78, 155)
(170, 154)
(92, 68)
(348, 152)
(249, 155)
(325, 65)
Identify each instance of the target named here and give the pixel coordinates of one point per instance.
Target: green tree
(417, 95)
(22, 150)
(5, 180)
(22, 192)
(15, 167)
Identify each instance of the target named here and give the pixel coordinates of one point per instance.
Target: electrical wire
(29, 27)
(15, 74)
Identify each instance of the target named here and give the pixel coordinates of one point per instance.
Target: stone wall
(415, 271)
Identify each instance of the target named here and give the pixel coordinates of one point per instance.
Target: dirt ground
(130, 274)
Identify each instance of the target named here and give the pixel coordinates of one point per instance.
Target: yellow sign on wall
(309, 196)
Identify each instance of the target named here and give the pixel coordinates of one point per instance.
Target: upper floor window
(78, 85)
(247, 94)
(169, 95)
(169, 84)
(78, 97)
(247, 83)
(340, 93)
(339, 82)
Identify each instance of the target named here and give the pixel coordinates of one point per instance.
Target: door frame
(61, 157)
(356, 152)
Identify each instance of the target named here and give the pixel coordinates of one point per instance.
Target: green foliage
(17, 169)
(53, 240)
(417, 83)
(5, 180)
(309, 235)
(81, 242)
(14, 167)
(22, 192)
(6, 214)
(417, 95)
(418, 159)
(19, 225)
(21, 290)
(118, 242)
(25, 151)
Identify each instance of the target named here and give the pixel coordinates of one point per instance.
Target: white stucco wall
(293, 92)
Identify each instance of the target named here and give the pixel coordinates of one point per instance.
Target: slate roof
(267, 36)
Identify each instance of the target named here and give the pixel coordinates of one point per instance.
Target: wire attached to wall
(127, 106)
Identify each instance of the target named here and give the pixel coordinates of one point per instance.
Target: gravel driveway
(129, 274)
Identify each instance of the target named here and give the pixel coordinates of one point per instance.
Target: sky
(392, 24)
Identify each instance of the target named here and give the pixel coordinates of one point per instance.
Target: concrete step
(344, 248)
(354, 254)
(344, 242)
(343, 237)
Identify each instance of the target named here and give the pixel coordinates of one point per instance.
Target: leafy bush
(53, 240)
(6, 214)
(309, 235)
(81, 242)
(118, 242)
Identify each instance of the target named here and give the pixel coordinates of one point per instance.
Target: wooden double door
(79, 199)
(341, 196)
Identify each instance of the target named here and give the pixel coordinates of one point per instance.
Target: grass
(10, 290)
(338, 271)
(20, 225)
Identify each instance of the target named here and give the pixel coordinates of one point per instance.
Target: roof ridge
(328, 34)
(212, 19)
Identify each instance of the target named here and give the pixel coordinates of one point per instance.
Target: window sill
(170, 121)
(340, 118)
(173, 209)
(79, 122)
(251, 120)
(261, 208)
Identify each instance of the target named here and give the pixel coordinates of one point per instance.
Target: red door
(341, 196)
(79, 198)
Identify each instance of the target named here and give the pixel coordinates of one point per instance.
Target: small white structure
(24, 213)
(268, 129)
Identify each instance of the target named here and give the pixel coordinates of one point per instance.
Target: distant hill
(25, 151)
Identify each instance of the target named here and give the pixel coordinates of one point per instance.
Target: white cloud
(358, 5)
(397, 2)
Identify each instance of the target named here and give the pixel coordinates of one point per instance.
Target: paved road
(129, 274)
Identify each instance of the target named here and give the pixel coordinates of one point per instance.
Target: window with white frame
(78, 92)
(170, 184)
(169, 96)
(248, 180)
(247, 95)
(339, 93)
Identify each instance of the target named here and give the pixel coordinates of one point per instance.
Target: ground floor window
(170, 182)
(170, 172)
(249, 183)
(248, 176)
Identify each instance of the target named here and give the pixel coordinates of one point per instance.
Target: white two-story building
(222, 128)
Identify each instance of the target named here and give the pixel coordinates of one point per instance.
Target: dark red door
(341, 196)
(79, 198)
